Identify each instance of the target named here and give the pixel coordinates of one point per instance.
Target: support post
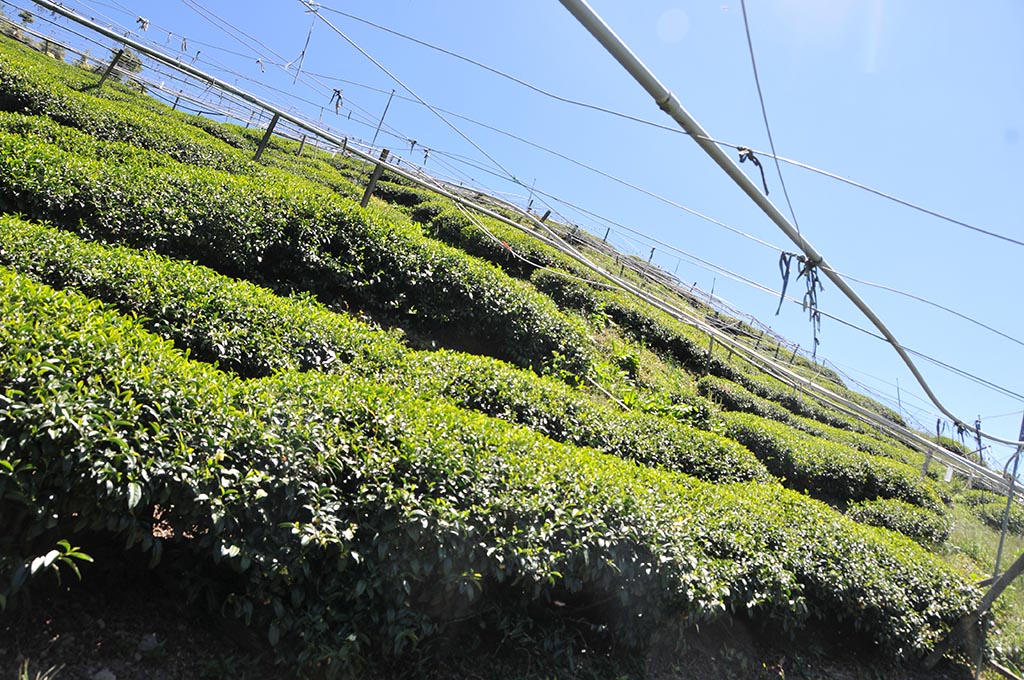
(977, 435)
(546, 216)
(266, 137)
(1009, 498)
(792, 357)
(377, 171)
(606, 232)
(381, 122)
(177, 99)
(111, 67)
(966, 628)
(302, 145)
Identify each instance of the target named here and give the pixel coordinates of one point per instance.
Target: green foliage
(36, 86)
(241, 327)
(825, 469)
(517, 253)
(924, 526)
(991, 509)
(793, 400)
(353, 522)
(733, 397)
(252, 332)
(296, 233)
(650, 327)
(356, 501)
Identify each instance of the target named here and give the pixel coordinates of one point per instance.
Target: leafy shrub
(733, 397)
(293, 231)
(992, 514)
(516, 252)
(352, 522)
(824, 469)
(977, 497)
(241, 327)
(924, 526)
(248, 330)
(400, 195)
(990, 507)
(650, 327)
(793, 400)
(33, 86)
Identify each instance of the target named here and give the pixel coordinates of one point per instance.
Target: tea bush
(352, 522)
(733, 397)
(294, 232)
(824, 469)
(924, 526)
(252, 332)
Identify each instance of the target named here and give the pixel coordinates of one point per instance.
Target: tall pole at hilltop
(386, 106)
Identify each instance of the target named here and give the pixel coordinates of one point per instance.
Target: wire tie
(748, 154)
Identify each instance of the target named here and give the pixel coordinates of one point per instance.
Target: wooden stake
(377, 171)
(266, 137)
(110, 68)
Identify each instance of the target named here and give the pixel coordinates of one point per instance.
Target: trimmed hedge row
(510, 252)
(924, 526)
(241, 327)
(31, 85)
(793, 400)
(733, 397)
(35, 85)
(352, 522)
(825, 469)
(655, 330)
(297, 233)
(687, 346)
(248, 330)
(41, 85)
(990, 507)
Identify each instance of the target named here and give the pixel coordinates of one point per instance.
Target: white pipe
(668, 103)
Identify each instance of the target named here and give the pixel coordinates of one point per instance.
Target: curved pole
(668, 103)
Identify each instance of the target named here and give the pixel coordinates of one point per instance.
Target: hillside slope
(383, 446)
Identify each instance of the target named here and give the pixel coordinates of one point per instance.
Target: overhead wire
(672, 129)
(226, 26)
(314, 9)
(764, 114)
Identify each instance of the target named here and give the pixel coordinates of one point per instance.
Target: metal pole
(1009, 499)
(668, 103)
(386, 106)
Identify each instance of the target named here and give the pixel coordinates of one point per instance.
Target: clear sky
(920, 99)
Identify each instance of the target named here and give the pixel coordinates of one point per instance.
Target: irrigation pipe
(668, 103)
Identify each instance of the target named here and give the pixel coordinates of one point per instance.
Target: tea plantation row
(352, 521)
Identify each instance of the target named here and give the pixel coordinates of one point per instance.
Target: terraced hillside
(384, 445)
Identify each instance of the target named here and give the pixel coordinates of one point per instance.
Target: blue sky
(922, 100)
